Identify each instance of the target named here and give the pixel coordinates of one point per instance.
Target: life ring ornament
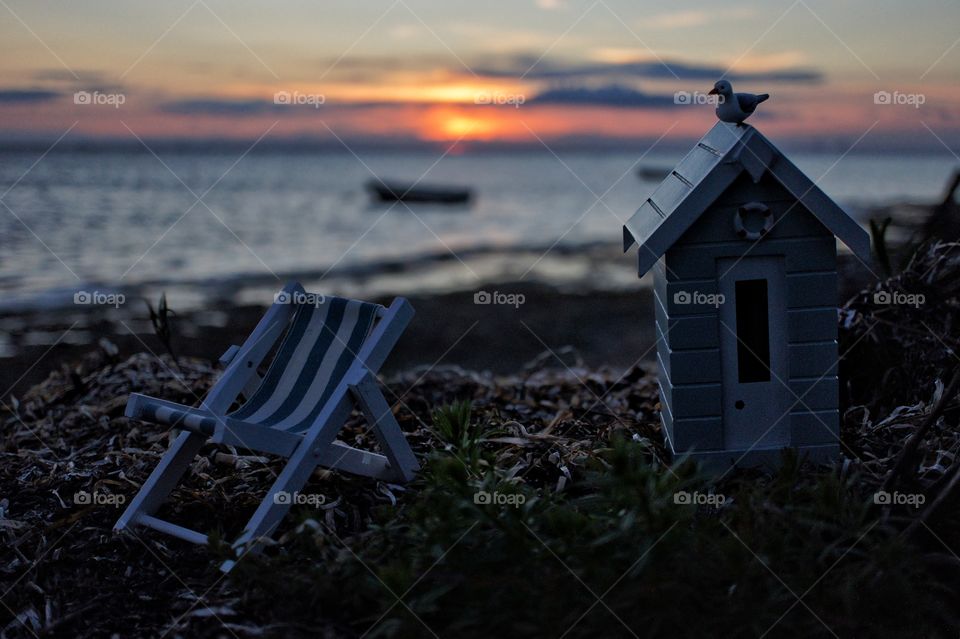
(753, 210)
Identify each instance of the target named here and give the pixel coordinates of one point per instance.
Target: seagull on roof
(735, 107)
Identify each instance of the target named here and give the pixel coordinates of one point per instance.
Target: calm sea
(83, 219)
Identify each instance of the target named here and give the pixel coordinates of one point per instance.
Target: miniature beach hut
(743, 249)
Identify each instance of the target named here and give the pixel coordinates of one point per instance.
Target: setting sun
(446, 125)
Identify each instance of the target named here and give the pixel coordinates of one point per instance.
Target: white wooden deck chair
(325, 365)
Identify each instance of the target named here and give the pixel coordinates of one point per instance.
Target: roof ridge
(725, 152)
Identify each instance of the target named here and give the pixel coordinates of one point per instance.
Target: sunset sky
(513, 72)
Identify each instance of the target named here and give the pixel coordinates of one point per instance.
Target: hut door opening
(753, 352)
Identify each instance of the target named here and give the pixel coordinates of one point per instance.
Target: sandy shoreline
(448, 329)
(593, 311)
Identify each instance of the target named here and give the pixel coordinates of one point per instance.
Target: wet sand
(448, 329)
(572, 322)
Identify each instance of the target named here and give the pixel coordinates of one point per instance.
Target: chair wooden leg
(392, 441)
(272, 509)
(163, 479)
(316, 446)
(316, 442)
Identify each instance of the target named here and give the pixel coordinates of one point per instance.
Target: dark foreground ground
(597, 533)
(448, 328)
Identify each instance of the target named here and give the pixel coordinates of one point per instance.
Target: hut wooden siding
(685, 233)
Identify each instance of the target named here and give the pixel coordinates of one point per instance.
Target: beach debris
(542, 427)
(944, 219)
(160, 319)
(878, 236)
(108, 347)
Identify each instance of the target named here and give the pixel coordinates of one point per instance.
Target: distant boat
(403, 192)
(653, 173)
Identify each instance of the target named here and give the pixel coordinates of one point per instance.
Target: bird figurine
(735, 107)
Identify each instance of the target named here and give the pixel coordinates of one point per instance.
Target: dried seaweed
(899, 343)
(64, 573)
(68, 436)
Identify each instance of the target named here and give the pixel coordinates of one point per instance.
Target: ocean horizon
(120, 220)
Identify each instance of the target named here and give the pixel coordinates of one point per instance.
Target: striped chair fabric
(320, 344)
(162, 413)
